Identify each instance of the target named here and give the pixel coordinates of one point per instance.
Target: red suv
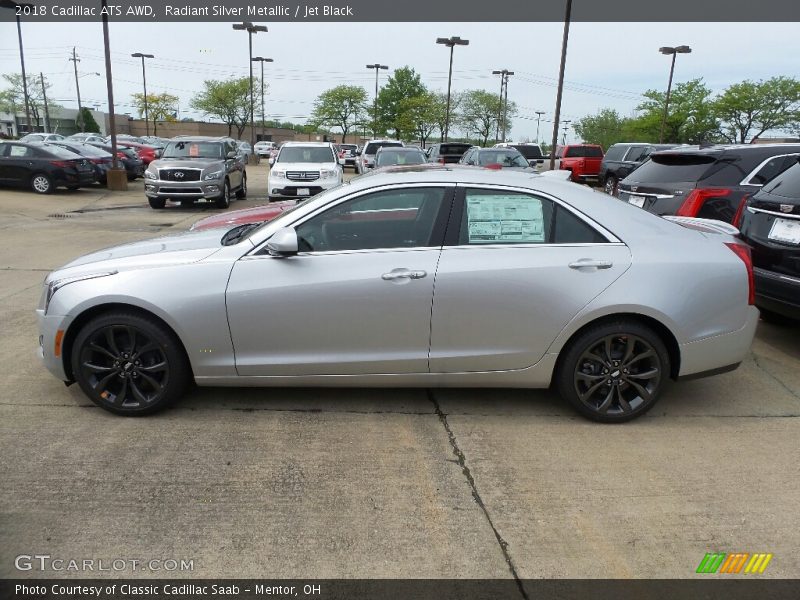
(583, 160)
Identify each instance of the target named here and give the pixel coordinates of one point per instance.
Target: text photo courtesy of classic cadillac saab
(414, 276)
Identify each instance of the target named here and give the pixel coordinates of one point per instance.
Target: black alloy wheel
(614, 372)
(610, 186)
(129, 364)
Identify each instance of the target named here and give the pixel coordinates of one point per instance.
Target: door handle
(589, 263)
(395, 274)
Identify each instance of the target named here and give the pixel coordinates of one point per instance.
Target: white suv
(303, 169)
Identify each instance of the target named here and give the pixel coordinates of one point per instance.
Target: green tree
(12, 98)
(479, 114)
(605, 128)
(227, 100)
(405, 83)
(341, 107)
(690, 120)
(746, 110)
(420, 115)
(89, 124)
(160, 107)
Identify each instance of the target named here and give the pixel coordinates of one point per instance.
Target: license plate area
(303, 192)
(636, 200)
(786, 231)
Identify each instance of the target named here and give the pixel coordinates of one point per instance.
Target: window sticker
(500, 219)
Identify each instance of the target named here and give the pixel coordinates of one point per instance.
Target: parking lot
(375, 482)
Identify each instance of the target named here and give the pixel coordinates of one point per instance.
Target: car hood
(187, 163)
(181, 248)
(288, 166)
(257, 214)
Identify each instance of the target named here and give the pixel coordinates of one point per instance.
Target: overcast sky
(608, 65)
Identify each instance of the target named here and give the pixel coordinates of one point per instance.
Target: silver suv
(196, 168)
(366, 160)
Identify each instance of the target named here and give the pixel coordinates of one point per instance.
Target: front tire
(224, 200)
(610, 185)
(613, 372)
(41, 183)
(129, 364)
(157, 203)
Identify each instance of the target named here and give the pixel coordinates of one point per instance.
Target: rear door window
(584, 152)
(616, 152)
(636, 154)
(787, 184)
(772, 168)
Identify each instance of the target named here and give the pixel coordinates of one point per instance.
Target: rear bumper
(778, 293)
(718, 353)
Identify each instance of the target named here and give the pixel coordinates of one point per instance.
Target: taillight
(743, 252)
(60, 163)
(494, 166)
(121, 155)
(697, 197)
(441, 161)
(737, 218)
(96, 161)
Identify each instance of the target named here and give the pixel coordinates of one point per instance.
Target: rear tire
(613, 372)
(157, 203)
(224, 200)
(241, 193)
(129, 364)
(41, 183)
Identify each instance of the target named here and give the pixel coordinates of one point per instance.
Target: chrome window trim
(612, 239)
(772, 212)
(754, 172)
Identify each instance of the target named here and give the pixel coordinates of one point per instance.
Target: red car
(257, 214)
(582, 160)
(147, 153)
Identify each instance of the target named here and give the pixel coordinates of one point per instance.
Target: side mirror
(283, 242)
(232, 154)
(271, 161)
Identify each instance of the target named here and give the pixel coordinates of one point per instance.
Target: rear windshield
(787, 184)
(306, 154)
(60, 152)
(454, 148)
(662, 168)
(372, 147)
(189, 149)
(529, 152)
(393, 157)
(584, 152)
(505, 158)
(87, 150)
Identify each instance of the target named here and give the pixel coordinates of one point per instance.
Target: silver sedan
(425, 276)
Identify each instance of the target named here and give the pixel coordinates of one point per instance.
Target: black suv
(447, 152)
(621, 159)
(770, 224)
(709, 183)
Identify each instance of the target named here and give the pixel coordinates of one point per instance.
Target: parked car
(196, 168)
(349, 152)
(770, 225)
(244, 216)
(389, 156)
(620, 161)
(144, 151)
(100, 160)
(447, 152)
(43, 168)
(41, 137)
(264, 148)
(245, 149)
(366, 160)
(124, 137)
(303, 169)
(582, 160)
(532, 288)
(127, 157)
(496, 158)
(531, 152)
(705, 182)
(86, 137)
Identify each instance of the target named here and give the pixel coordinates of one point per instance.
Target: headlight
(212, 175)
(150, 175)
(328, 173)
(57, 284)
(280, 173)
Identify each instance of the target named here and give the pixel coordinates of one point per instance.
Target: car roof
(202, 138)
(721, 148)
(318, 144)
(398, 149)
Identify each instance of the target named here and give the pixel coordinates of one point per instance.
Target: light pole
(564, 137)
(560, 93)
(117, 178)
(262, 60)
(539, 114)
(377, 67)
(450, 42)
(14, 5)
(144, 82)
(500, 105)
(250, 29)
(674, 51)
(46, 107)
(505, 105)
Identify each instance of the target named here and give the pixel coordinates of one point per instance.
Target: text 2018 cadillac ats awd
(425, 276)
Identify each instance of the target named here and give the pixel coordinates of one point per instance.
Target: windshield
(504, 158)
(189, 149)
(394, 157)
(305, 154)
(529, 152)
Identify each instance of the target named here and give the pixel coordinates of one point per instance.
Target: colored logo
(738, 562)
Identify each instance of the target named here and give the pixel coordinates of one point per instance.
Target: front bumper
(716, 353)
(183, 190)
(49, 327)
(286, 188)
(778, 293)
